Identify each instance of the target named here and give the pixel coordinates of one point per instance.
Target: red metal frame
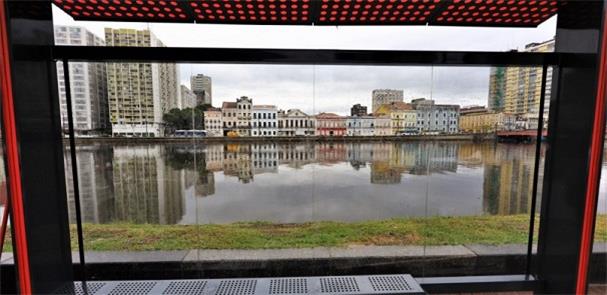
(12, 158)
(594, 167)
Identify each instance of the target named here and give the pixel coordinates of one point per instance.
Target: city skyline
(336, 86)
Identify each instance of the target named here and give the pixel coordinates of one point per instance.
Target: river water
(297, 182)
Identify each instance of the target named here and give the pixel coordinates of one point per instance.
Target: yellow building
(402, 116)
(484, 121)
(523, 84)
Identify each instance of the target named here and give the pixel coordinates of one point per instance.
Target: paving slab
(458, 250)
(510, 249)
(263, 254)
(375, 251)
(130, 256)
(7, 258)
(600, 247)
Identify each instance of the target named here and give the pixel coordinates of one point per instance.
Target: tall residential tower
(202, 86)
(139, 93)
(88, 85)
(517, 90)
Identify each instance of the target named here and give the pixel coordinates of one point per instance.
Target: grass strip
(491, 230)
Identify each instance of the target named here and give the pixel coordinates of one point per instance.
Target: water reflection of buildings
(507, 175)
(296, 155)
(146, 189)
(150, 183)
(95, 177)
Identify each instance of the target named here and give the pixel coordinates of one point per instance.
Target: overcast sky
(335, 88)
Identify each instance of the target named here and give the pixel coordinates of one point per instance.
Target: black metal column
(572, 110)
(38, 131)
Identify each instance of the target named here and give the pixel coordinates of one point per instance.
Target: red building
(330, 124)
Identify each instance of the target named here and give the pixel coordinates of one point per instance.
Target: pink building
(330, 124)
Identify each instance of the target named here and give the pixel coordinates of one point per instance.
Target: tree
(173, 120)
(177, 119)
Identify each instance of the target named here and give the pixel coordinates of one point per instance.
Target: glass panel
(7, 246)
(284, 160)
(598, 260)
(280, 161)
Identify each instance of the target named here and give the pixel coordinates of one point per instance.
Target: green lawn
(494, 230)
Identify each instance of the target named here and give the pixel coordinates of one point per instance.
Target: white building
(435, 117)
(213, 122)
(88, 85)
(385, 96)
(360, 126)
(264, 120)
(202, 86)
(294, 122)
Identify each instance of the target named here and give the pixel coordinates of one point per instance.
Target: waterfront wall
(447, 137)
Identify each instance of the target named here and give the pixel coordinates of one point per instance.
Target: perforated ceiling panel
(262, 12)
(496, 12)
(524, 13)
(361, 12)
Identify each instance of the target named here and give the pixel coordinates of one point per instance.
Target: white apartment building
(139, 93)
(213, 122)
(382, 125)
(88, 85)
(385, 96)
(188, 98)
(435, 117)
(294, 122)
(202, 87)
(360, 126)
(264, 120)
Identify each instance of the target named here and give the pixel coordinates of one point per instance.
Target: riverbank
(449, 137)
(489, 230)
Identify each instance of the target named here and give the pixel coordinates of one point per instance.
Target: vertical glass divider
(536, 169)
(70, 120)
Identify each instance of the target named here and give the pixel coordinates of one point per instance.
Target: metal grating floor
(343, 285)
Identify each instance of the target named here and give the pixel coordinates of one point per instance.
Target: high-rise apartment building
(139, 93)
(385, 96)
(202, 86)
(88, 85)
(497, 89)
(188, 98)
(517, 89)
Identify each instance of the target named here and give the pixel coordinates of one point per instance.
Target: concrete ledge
(462, 260)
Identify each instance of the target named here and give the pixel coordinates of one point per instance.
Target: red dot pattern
(497, 12)
(523, 13)
(133, 10)
(252, 11)
(376, 11)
